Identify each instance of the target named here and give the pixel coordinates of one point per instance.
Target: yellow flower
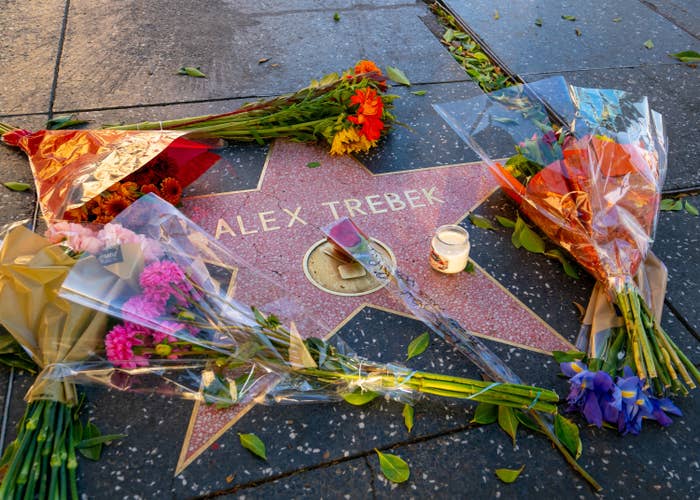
(349, 141)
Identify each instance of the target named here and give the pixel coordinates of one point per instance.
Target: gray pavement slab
(684, 14)
(555, 46)
(228, 42)
(28, 49)
(677, 243)
(673, 90)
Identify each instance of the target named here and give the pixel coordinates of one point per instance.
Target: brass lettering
(294, 216)
(332, 205)
(243, 229)
(412, 196)
(222, 227)
(431, 197)
(265, 221)
(373, 204)
(353, 205)
(394, 201)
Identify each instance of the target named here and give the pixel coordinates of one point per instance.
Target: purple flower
(592, 393)
(638, 405)
(164, 279)
(549, 138)
(119, 344)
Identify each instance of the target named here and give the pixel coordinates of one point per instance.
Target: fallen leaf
(394, 468)
(16, 186)
(481, 222)
(508, 475)
(313, 164)
(61, 122)
(263, 60)
(691, 208)
(359, 397)
(398, 76)
(578, 32)
(649, 44)
(469, 268)
(538, 22)
(617, 19)
(191, 71)
(687, 56)
(418, 345)
(253, 443)
(568, 18)
(408, 416)
(496, 15)
(418, 92)
(336, 17)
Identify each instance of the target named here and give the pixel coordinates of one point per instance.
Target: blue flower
(592, 393)
(637, 405)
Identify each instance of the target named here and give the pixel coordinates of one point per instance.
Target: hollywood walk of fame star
(272, 227)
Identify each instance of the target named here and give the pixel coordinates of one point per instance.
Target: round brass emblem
(333, 274)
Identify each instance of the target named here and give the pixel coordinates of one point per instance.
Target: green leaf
(649, 44)
(313, 164)
(398, 76)
(505, 120)
(359, 397)
(530, 240)
(408, 416)
(91, 431)
(336, 17)
(617, 19)
(568, 18)
(418, 92)
(418, 345)
(394, 468)
(496, 15)
(106, 438)
(505, 221)
(252, 443)
(687, 56)
(568, 434)
(191, 71)
(515, 237)
(507, 421)
(668, 204)
(449, 35)
(509, 475)
(526, 421)
(567, 356)
(538, 22)
(16, 186)
(691, 208)
(469, 268)
(481, 222)
(569, 268)
(61, 122)
(485, 414)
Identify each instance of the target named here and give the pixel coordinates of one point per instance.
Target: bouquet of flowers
(42, 459)
(180, 332)
(587, 170)
(91, 175)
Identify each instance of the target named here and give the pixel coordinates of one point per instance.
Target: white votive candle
(449, 249)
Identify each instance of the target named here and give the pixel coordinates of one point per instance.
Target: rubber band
(485, 389)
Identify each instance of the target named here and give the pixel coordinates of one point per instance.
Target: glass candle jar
(449, 249)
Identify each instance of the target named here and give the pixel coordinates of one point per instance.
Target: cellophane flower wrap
(180, 331)
(587, 167)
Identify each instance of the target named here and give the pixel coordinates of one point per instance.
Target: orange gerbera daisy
(76, 214)
(171, 190)
(129, 190)
(369, 113)
(150, 188)
(113, 205)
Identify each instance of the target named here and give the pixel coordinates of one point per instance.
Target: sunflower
(171, 190)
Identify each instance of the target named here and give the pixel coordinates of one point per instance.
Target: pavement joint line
(372, 486)
(681, 319)
(603, 68)
(59, 54)
(670, 19)
(331, 463)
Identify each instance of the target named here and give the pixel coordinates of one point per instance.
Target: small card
(351, 271)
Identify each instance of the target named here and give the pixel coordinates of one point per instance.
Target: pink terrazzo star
(273, 226)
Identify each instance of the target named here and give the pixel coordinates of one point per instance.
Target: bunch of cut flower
(41, 462)
(180, 332)
(591, 181)
(91, 175)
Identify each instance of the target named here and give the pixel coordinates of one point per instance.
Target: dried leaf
(263, 60)
(649, 44)
(16, 186)
(408, 416)
(568, 434)
(509, 475)
(691, 208)
(252, 443)
(568, 18)
(538, 22)
(398, 76)
(578, 32)
(191, 71)
(359, 397)
(418, 345)
(313, 164)
(485, 414)
(394, 468)
(507, 421)
(687, 56)
(481, 222)
(449, 35)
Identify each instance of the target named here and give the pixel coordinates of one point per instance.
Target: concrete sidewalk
(111, 61)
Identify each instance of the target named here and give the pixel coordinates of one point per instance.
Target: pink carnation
(165, 331)
(140, 307)
(115, 234)
(119, 344)
(165, 278)
(77, 237)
